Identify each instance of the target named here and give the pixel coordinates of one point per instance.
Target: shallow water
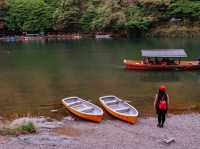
(35, 76)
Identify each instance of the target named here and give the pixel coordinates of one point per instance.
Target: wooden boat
(103, 36)
(83, 108)
(119, 108)
(159, 65)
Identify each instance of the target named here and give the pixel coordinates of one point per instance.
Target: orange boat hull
(91, 117)
(127, 118)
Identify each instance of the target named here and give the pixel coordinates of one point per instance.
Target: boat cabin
(163, 57)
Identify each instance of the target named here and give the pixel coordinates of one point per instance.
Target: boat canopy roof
(176, 53)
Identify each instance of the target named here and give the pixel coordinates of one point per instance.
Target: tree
(136, 19)
(187, 9)
(67, 14)
(110, 16)
(28, 16)
(87, 18)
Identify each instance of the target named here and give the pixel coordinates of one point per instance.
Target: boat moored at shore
(83, 108)
(119, 108)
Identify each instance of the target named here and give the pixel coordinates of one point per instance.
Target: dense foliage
(184, 9)
(136, 18)
(96, 15)
(67, 14)
(28, 15)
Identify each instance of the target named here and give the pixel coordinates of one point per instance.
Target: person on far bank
(161, 104)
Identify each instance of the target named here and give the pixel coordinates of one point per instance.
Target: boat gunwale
(139, 63)
(67, 106)
(120, 113)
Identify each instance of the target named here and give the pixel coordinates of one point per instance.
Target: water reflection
(161, 77)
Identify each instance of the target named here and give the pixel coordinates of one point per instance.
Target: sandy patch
(72, 131)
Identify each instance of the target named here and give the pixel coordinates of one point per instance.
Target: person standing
(161, 104)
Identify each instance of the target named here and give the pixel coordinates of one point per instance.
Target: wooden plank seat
(112, 102)
(74, 103)
(122, 109)
(86, 109)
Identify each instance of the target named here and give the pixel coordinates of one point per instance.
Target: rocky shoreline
(161, 31)
(68, 133)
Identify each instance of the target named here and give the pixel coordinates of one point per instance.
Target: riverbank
(174, 30)
(38, 37)
(165, 31)
(111, 134)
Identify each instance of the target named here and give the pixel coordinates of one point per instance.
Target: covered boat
(162, 59)
(83, 108)
(119, 108)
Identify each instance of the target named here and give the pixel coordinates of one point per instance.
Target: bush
(27, 128)
(22, 129)
(136, 19)
(184, 9)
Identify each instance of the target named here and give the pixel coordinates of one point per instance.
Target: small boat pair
(112, 104)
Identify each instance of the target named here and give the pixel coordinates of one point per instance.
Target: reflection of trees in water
(198, 76)
(170, 76)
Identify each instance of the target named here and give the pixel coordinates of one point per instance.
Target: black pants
(161, 117)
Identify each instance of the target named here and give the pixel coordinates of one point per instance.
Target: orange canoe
(83, 108)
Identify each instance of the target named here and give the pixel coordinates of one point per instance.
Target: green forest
(121, 17)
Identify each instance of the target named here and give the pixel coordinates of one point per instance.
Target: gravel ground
(113, 134)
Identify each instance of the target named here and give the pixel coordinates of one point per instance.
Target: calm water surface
(35, 76)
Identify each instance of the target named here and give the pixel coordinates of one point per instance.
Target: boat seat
(122, 109)
(74, 103)
(112, 102)
(86, 109)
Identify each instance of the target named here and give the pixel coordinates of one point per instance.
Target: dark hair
(162, 95)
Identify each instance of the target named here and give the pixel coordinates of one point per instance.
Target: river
(35, 76)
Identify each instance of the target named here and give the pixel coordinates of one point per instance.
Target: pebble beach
(183, 130)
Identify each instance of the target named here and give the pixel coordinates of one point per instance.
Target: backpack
(162, 105)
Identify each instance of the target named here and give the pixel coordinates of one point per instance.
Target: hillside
(121, 17)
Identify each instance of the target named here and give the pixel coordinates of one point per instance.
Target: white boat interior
(118, 105)
(82, 106)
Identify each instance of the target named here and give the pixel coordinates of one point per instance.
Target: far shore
(53, 36)
(34, 37)
(69, 133)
